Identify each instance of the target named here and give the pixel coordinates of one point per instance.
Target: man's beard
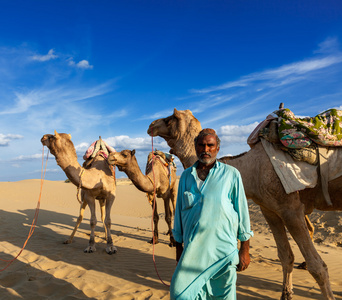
(206, 160)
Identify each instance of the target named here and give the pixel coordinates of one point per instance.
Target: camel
(155, 182)
(282, 211)
(97, 182)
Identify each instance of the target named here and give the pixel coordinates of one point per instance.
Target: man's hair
(205, 132)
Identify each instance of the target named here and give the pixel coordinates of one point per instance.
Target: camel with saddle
(95, 179)
(283, 211)
(160, 181)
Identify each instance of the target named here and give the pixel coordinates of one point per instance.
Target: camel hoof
(286, 295)
(155, 241)
(302, 266)
(89, 249)
(111, 250)
(67, 242)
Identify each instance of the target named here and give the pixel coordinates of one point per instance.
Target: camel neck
(141, 181)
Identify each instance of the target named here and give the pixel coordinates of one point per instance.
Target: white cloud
(5, 139)
(82, 147)
(83, 64)
(237, 130)
(46, 57)
(235, 133)
(125, 142)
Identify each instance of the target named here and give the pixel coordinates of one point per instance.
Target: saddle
(304, 139)
(99, 147)
(166, 159)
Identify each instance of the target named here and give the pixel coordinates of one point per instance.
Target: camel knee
(108, 222)
(156, 218)
(93, 223)
(168, 220)
(287, 258)
(319, 271)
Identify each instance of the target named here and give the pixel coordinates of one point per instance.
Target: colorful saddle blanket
(325, 129)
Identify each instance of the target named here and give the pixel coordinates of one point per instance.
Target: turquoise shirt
(208, 221)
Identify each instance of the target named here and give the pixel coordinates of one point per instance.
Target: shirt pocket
(189, 200)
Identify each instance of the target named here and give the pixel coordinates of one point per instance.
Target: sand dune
(49, 269)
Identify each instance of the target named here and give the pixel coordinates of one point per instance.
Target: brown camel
(261, 184)
(97, 182)
(157, 182)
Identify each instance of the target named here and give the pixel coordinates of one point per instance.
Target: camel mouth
(44, 140)
(150, 131)
(111, 160)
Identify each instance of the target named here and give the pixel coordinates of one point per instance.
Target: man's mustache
(205, 153)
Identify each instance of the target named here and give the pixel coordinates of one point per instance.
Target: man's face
(207, 149)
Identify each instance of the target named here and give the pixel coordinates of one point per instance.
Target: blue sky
(110, 68)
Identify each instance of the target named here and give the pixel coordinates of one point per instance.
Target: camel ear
(69, 135)
(133, 152)
(176, 113)
(57, 135)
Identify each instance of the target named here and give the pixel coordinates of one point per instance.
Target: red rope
(35, 218)
(153, 209)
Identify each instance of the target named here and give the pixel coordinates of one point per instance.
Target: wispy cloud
(56, 95)
(301, 79)
(158, 114)
(283, 75)
(45, 57)
(329, 45)
(5, 139)
(27, 157)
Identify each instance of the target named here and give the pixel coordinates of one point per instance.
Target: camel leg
(285, 253)
(79, 220)
(154, 239)
(294, 219)
(173, 200)
(311, 229)
(110, 248)
(168, 217)
(91, 202)
(295, 223)
(103, 214)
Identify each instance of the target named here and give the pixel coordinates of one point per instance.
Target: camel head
(121, 159)
(58, 143)
(180, 124)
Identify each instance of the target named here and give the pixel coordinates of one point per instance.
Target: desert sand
(49, 269)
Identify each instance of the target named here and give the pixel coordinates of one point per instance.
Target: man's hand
(244, 256)
(179, 251)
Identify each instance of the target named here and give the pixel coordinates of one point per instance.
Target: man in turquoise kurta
(211, 215)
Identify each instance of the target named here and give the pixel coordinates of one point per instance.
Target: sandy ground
(49, 269)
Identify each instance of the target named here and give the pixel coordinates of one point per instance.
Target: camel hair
(263, 186)
(155, 182)
(97, 182)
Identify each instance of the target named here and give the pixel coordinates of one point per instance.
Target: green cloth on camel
(324, 129)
